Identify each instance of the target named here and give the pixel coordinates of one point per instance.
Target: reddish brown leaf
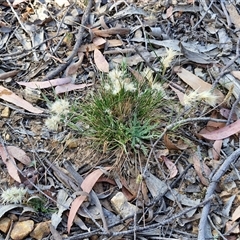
(110, 31)
(223, 132)
(171, 167)
(217, 146)
(8, 74)
(202, 170)
(86, 186)
(19, 154)
(174, 146)
(10, 163)
(100, 61)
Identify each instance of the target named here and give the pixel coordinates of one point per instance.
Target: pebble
(22, 229)
(5, 112)
(72, 143)
(122, 206)
(5, 224)
(41, 230)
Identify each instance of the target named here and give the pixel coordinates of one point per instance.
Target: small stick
(78, 43)
(211, 188)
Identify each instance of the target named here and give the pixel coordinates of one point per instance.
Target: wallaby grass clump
(123, 112)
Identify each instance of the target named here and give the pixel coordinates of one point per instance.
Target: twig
(211, 188)
(19, 20)
(173, 125)
(143, 58)
(219, 233)
(229, 22)
(223, 72)
(78, 43)
(232, 110)
(140, 229)
(203, 16)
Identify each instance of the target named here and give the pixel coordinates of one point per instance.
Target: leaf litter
(148, 195)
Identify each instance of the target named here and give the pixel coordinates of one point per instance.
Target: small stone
(5, 224)
(122, 206)
(5, 112)
(32, 95)
(22, 229)
(72, 143)
(41, 230)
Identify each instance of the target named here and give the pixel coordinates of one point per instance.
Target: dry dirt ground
(185, 186)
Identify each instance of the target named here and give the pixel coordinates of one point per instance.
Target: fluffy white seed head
(52, 122)
(60, 106)
(13, 195)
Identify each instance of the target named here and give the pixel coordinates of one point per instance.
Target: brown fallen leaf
(74, 66)
(98, 41)
(111, 31)
(8, 74)
(86, 186)
(217, 146)
(173, 171)
(224, 132)
(174, 146)
(202, 170)
(100, 61)
(11, 97)
(236, 214)
(19, 154)
(10, 163)
(179, 94)
(46, 84)
(70, 87)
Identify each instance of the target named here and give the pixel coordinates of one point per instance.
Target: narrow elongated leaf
(86, 186)
(11, 97)
(46, 84)
(224, 132)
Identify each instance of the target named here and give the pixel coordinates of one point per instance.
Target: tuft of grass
(122, 113)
